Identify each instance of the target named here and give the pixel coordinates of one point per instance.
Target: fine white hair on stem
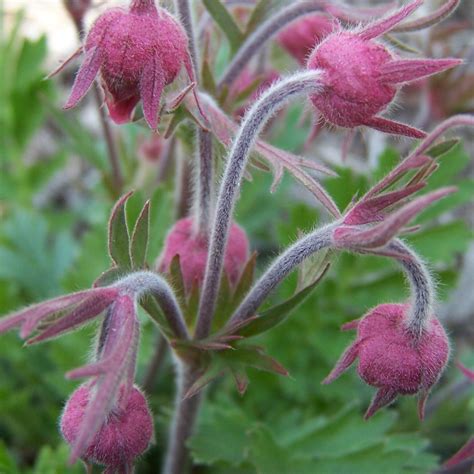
(263, 33)
(183, 9)
(422, 287)
(140, 283)
(295, 254)
(300, 83)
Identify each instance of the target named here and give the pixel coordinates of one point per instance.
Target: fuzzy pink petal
(410, 163)
(407, 70)
(84, 312)
(351, 325)
(394, 128)
(28, 318)
(369, 210)
(152, 82)
(85, 76)
(345, 361)
(382, 398)
(120, 111)
(380, 234)
(107, 386)
(386, 24)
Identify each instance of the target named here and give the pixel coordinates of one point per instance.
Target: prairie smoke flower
(124, 435)
(300, 38)
(137, 52)
(361, 76)
(113, 371)
(391, 359)
(192, 248)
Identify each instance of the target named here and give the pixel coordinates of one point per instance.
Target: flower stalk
(302, 83)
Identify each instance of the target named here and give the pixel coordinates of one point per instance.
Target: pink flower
(125, 434)
(391, 358)
(137, 53)
(362, 76)
(300, 38)
(192, 250)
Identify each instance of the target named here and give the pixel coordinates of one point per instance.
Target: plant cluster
(201, 292)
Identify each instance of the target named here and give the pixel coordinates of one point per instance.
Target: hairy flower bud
(391, 359)
(137, 52)
(361, 76)
(125, 434)
(192, 249)
(300, 38)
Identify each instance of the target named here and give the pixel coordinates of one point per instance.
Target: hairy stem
(185, 413)
(155, 363)
(183, 8)
(203, 200)
(302, 83)
(145, 282)
(421, 284)
(263, 33)
(280, 269)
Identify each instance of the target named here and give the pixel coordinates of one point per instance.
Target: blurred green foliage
(287, 425)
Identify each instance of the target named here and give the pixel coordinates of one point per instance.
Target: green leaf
(244, 284)
(7, 464)
(150, 305)
(277, 314)
(261, 12)
(110, 276)
(208, 81)
(221, 436)
(225, 21)
(442, 243)
(139, 241)
(437, 151)
(252, 356)
(119, 240)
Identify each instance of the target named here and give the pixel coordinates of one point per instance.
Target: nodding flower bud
(125, 434)
(192, 249)
(300, 38)
(391, 359)
(361, 76)
(138, 52)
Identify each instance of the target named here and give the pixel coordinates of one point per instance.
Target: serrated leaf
(139, 241)
(119, 239)
(277, 314)
(224, 19)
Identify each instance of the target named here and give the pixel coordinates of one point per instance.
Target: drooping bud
(77, 9)
(300, 38)
(192, 249)
(138, 52)
(361, 76)
(391, 359)
(125, 434)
